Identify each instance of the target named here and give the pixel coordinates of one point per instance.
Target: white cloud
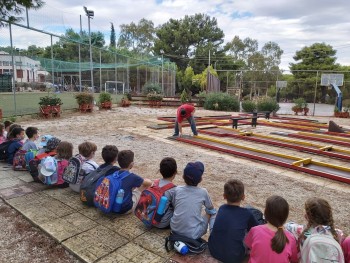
(291, 24)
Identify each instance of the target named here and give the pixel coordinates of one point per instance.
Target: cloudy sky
(291, 24)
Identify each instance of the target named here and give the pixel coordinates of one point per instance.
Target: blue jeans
(191, 122)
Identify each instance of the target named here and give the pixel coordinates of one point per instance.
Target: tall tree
(112, 43)
(11, 10)
(318, 56)
(138, 38)
(240, 49)
(272, 54)
(188, 37)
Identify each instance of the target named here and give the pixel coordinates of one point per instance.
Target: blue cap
(44, 139)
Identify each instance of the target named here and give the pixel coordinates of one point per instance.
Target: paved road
(320, 109)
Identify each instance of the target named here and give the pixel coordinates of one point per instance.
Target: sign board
(328, 79)
(281, 84)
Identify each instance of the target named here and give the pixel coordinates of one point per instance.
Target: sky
(291, 24)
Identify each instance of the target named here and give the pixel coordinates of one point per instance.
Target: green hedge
(267, 104)
(248, 106)
(221, 102)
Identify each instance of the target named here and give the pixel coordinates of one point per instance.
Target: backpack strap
(121, 175)
(166, 187)
(91, 164)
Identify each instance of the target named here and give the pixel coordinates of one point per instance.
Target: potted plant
(105, 101)
(125, 102)
(55, 103)
(299, 105)
(154, 99)
(305, 109)
(85, 101)
(50, 105)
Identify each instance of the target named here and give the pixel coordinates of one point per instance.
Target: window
(6, 63)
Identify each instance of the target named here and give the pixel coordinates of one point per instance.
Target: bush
(268, 104)
(151, 88)
(104, 97)
(248, 106)
(185, 97)
(201, 98)
(221, 101)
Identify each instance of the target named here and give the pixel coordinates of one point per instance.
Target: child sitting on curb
(231, 225)
(188, 203)
(32, 134)
(86, 154)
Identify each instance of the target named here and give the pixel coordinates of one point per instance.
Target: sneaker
(175, 135)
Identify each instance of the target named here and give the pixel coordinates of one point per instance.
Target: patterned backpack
(148, 204)
(48, 168)
(34, 163)
(74, 173)
(106, 191)
(321, 247)
(19, 161)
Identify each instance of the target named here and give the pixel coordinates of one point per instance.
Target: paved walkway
(84, 231)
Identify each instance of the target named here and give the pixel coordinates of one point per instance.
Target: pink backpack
(321, 248)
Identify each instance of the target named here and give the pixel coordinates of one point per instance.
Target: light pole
(20, 64)
(162, 52)
(90, 14)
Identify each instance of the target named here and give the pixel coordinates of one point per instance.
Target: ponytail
(279, 241)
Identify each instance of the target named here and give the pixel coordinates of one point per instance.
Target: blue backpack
(106, 191)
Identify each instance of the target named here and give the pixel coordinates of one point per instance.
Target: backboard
(327, 79)
(281, 84)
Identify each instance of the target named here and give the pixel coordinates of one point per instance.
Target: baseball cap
(44, 139)
(49, 166)
(194, 172)
(52, 144)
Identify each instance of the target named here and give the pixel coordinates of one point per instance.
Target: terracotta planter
(45, 111)
(125, 103)
(155, 103)
(306, 111)
(106, 105)
(296, 110)
(342, 114)
(85, 107)
(56, 110)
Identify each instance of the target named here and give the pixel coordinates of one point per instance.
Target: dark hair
(64, 150)
(14, 132)
(109, 153)
(319, 212)
(2, 126)
(168, 167)
(183, 112)
(7, 123)
(276, 213)
(31, 131)
(125, 158)
(12, 127)
(87, 148)
(234, 190)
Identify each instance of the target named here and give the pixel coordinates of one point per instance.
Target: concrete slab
(9, 182)
(68, 226)
(66, 196)
(94, 243)
(154, 243)
(132, 252)
(20, 190)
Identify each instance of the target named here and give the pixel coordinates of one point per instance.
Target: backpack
(19, 161)
(4, 149)
(88, 186)
(34, 163)
(321, 248)
(106, 192)
(29, 155)
(73, 172)
(149, 201)
(48, 169)
(195, 246)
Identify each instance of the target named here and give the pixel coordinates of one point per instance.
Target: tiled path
(86, 232)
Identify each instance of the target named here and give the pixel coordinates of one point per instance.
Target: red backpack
(147, 206)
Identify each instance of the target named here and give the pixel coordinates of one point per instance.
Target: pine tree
(113, 42)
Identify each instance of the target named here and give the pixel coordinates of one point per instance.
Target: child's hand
(210, 211)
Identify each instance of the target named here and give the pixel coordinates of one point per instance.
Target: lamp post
(20, 64)
(162, 52)
(90, 14)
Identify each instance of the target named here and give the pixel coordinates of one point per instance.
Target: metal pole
(313, 113)
(27, 17)
(13, 71)
(80, 57)
(100, 70)
(162, 75)
(52, 71)
(91, 66)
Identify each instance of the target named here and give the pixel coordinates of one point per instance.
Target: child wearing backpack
(188, 202)
(32, 134)
(88, 185)
(16, 135)
(131, 185)
(270, 242)
(86, 154)
(231, 225)
(320, 227)
(146, 208)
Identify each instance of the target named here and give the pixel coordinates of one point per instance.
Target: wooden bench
(266, 114)
(236, 119)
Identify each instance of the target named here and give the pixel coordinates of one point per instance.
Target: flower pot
(56, 110)
(341, 114)
(106, 105)
(86, 107)
(125, 103)
(155, 103)
(45, 111)
(306, 111)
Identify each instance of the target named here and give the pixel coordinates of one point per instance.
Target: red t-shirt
(188, 108)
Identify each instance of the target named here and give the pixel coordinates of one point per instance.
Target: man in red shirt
(185, 111)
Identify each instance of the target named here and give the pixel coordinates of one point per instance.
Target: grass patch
(27, 102)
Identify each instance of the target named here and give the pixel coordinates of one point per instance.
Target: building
(26, 69)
